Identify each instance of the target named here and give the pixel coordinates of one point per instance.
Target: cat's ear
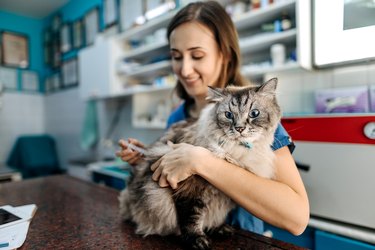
(214, 95)
(269, 86)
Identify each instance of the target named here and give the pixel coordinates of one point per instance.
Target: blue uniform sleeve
(282, 139)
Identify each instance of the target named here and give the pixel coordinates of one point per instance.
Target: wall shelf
(147, 28)
(149, 70)
(257, 71)
(264, 41)
(149, 125)
(257, 17)
(121, 77)
(138, 89)
(149, 50)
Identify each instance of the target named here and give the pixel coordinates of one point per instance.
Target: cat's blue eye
(254, 113)
(229, 115)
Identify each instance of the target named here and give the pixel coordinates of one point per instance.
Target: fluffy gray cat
(237, 125)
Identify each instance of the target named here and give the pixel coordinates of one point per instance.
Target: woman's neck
(199, 104)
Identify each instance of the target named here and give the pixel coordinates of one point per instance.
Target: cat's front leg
(156, 151)
(189, 214)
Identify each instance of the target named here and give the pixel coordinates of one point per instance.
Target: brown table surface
(74, 214)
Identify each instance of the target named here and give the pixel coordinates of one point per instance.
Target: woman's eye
(176, 58)
(197, 55)
(229, 115)
(254, 113)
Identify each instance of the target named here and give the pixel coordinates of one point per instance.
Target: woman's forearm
(281, 202)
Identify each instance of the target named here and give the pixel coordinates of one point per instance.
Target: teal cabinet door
(328, 241)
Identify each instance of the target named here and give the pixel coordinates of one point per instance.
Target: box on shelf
(372, 98)
(342, 100)
(112, 174)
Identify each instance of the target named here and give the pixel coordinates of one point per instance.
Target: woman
(205, 52)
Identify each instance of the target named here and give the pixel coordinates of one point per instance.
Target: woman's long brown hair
(214, 17)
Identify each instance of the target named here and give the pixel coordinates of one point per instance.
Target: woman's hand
(179, 164)
(128, 155)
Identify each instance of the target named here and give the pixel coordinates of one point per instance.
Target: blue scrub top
(239, 216)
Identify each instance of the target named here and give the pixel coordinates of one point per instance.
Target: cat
(237, 125)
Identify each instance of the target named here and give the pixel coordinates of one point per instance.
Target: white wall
(20, 113)
(63, 120)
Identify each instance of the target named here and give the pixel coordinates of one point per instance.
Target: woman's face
(196, 58)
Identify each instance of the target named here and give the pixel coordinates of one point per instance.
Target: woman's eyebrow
(192, 48)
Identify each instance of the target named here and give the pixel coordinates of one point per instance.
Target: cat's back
(183, 131)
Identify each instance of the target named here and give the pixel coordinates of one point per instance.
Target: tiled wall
(20, 113)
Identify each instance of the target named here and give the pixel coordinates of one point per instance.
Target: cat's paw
(223, 231)
(201, 243)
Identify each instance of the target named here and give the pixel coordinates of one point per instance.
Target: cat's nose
(239, 129)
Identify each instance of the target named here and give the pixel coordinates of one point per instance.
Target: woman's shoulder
(178, 114)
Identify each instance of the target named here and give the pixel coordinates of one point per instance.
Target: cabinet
(317, 239)
(136, 63)
(255, 43)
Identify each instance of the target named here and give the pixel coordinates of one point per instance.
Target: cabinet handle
(369, 130)
(302, 166)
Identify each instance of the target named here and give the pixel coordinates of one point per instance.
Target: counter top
(74, 214)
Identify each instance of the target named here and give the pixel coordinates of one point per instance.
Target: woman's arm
(281, 202)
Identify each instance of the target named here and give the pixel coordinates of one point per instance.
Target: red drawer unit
(339, 129)
(338, 155)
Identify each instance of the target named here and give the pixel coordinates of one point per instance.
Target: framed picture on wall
(110, 12)
(69, 70)
(47, 49)
(78, 29)
(66, 39)
(9, 78)
(56, 81)
(30, 80)
(47, 36)
(48, 85)
(52, 83)
(15, 49)
(55, 51)
(91, 23)
(56, 22)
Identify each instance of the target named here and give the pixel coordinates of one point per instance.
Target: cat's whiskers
(222, 142)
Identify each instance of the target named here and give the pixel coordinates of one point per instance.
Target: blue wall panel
(34, 28)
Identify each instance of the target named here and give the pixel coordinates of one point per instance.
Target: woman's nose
(186, 68)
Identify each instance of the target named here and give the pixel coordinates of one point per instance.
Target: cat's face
(245, 114)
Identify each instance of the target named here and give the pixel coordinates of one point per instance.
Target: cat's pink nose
(240, 129)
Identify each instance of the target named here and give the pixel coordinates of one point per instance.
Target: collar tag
(248, 145)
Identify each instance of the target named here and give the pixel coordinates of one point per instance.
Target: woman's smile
(191, 81)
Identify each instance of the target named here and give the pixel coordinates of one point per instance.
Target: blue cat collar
(246, 144)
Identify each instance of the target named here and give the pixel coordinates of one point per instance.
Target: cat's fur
(196, 207)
